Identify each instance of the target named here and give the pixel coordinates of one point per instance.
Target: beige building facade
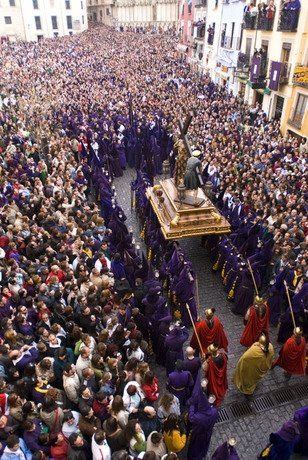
(32, 20)
(273, 64)
(154, 14)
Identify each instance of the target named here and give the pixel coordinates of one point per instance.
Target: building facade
(156, 15)
(273, 63)
(101, 11)
(32, 20)
(229, 44)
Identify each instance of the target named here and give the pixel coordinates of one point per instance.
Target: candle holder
(181, 192)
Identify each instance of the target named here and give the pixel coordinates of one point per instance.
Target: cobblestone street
(252, 431)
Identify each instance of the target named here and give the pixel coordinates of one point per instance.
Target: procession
(106, 349)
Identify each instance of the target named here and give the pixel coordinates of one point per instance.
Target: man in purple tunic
(226, 451)
(301, 417)
(180, 383)
(174, 346)
(201, 418)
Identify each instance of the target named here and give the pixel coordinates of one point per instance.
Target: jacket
(100, 451)
(23, 453)
(174, 440)
(71, 385)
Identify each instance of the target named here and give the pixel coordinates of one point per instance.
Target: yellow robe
(251, 367)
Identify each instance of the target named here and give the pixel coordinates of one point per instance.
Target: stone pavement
(252, 432)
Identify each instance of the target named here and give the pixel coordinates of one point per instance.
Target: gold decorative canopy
(185, 218)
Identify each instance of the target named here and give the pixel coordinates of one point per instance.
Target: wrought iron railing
(249, 21)
(230, 43)
(264, 22)
(296, 121)
(263, 68)
(210, 37)
(243, 62)
(288, 20)
(200, 3)
(285, 73)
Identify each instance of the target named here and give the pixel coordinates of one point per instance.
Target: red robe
(207, 335)
(255, 325)
(292, 357)
(217, 379)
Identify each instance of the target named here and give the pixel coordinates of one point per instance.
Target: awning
(182, 48)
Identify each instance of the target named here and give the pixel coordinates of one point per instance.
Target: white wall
(23, 18)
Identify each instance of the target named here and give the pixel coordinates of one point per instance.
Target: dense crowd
(83, 314)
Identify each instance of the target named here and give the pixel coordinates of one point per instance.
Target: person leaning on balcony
(292, 5)
(270, 10)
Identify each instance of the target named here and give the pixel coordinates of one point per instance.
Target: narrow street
(251, 431)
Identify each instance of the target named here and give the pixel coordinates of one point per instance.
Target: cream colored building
(273, 64)
(153, 14)
(101, 11)
(33, 20)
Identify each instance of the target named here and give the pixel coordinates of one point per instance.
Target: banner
(275, 73)
(255, 68)
(300, 76)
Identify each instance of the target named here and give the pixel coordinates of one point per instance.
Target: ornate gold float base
(184, 219)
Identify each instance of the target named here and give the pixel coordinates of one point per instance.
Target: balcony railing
(200, 3)
(200, 31)
(211, 34)
(296, 121)
(263, 68)
(230, 43)
(250, 21)
(264, 22)
(243, 62)
(285, 73)
(288, 19)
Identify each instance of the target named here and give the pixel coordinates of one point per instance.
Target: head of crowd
(74, 337)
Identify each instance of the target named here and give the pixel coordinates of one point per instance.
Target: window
(38, 24)
(248, 46)
(40, 37)
(35, 4)
(7, 19)
(69, 22)
(71, 32)
(101, 13)
(68, 4)
(56, 34)
(232, 33)
(54, 22)
(12, 3)
(81, 3)
(82, 19)
(299, 111)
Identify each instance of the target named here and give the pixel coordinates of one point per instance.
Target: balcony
(264, 22)
(200, 3)
(278, 75)
(243, 62)
(230, 43)
(285, 73)
(296, 121)
(211, 34)
(300, 76)
(250, 21)
(200, 30)
(258, 71)
(288, 19)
